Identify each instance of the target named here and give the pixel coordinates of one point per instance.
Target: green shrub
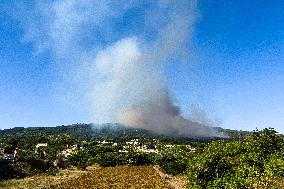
(51, 171)
(108, 159)
(253, 163)
(82, 165)
(175, 167)
(173, 160)
(139, 158)
(111, 159)
(75, 159)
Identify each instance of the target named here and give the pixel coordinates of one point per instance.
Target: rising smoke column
(122, 78)
(134, 88)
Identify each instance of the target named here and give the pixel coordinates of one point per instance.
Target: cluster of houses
(134, 144)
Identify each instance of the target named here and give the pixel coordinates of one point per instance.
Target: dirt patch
(177, 182)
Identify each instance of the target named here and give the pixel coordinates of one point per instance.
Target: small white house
(40, 145)
(133, 142)
(40, 149)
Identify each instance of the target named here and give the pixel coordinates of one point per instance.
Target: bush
(79, 158)
(173, 160)
(175, 167)
(140, 158)
(253, 163)
(9, 172)
(82, 165)
(111, 159)
(108, 159)
(51, 171)
(62, 162)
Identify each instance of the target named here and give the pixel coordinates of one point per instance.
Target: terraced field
(117, 177)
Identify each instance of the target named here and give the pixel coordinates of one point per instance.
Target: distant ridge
(100, 131)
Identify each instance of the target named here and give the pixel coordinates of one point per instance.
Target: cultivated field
(110, 177)
(117, 177)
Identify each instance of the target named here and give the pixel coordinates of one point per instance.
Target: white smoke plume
(124, 81)
(134, 88)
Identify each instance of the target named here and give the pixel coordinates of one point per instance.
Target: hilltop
(113, 131)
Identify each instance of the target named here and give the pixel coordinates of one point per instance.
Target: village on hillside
(62, 151)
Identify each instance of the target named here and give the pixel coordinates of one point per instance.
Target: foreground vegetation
(255, 162)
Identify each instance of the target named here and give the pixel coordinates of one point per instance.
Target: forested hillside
(88, 131)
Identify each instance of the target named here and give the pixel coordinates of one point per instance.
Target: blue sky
(233, 67)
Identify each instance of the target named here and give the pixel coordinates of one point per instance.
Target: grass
(110, 177)
(117, 177)
(41, 181)
(279, 184)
